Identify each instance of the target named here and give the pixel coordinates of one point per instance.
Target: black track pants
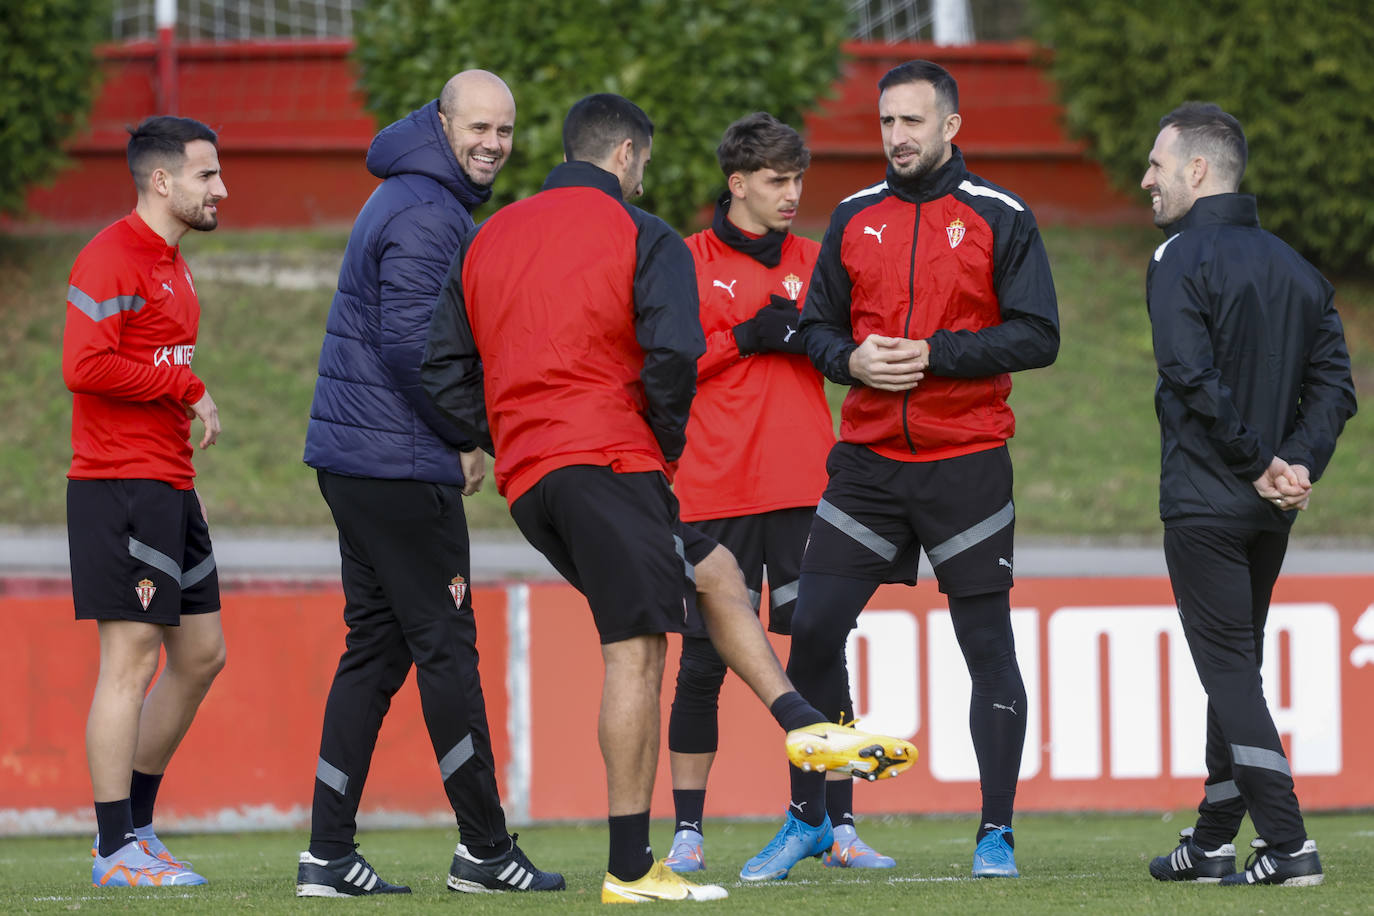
(1222, 581)
(403, 543)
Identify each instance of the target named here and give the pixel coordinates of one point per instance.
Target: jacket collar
(931, 185)
(148, 235)
(766, 248)
(579, 174)
(1217, 209)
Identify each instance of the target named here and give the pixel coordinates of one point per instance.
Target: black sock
(481, 851)
(808, 796)
(115, 825)
(1291, 847)
(689, 805)
(631, 858)
(142, 795)
(987, 828)
(839, 802)
(791, 711)
(331, 851)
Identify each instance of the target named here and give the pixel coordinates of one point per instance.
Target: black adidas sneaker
(510, 871)
(1189, 862)
(1269, 866)
(349, 876)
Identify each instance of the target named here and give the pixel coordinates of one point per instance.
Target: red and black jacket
(567, 333)
(760, 428)
(951, 259)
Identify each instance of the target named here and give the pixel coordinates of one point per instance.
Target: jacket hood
(416, 145)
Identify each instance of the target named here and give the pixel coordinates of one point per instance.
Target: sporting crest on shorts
(793, 284)
(145, 591)
(458, 588)
(955, 231)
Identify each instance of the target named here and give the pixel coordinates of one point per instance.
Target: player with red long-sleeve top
(757, 440)
(142, 563)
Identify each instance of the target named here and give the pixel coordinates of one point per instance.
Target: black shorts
(618, 539)
(140, 550)
(775, 540)
(877, 514)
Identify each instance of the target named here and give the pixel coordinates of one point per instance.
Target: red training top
(760, 429)
(132, 317)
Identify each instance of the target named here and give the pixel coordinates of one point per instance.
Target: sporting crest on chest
(955, 232)
(793, 284)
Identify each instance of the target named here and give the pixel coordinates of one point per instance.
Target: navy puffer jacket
(370, 417)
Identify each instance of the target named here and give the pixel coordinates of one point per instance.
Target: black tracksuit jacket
(1252, 364)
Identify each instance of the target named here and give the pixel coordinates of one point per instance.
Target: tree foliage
(1298, 76)
(47, 83)
(692, 66)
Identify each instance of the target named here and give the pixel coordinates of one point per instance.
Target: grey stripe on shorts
(198, 572)
(857, 530)
(971, 536)
(155, 558)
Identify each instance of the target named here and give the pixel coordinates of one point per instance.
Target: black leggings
(827, 608)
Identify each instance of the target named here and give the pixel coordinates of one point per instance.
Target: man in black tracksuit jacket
(1254, 388)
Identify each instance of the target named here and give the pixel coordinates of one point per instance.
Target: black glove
(773, 328)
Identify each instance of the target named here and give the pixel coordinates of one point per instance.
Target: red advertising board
(1114, 714)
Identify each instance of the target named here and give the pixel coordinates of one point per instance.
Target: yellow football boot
(661, 883)
(829, 748)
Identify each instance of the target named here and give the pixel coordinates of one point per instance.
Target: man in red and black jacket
(931, 287)
(142, 564)
(760, 429)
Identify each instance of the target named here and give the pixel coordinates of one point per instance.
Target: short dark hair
(597, 124)
(924, 71)
(1204, 129)
(160, 141)
(761, 141)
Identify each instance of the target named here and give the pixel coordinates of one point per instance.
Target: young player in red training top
(759, 433)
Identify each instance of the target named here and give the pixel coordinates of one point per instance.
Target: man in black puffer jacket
(394, 472)
(1254, 388)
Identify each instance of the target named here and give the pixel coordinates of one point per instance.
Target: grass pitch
(1087, 863)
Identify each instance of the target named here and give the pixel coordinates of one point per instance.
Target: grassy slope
(1071, 863)
(1086, 449)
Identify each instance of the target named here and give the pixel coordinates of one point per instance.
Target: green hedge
(1299, 77)
(47, 82)
(692, 66)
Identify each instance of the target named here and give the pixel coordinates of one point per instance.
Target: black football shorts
(877, 514)
(772, 540)
(140, 550)
(618, 539)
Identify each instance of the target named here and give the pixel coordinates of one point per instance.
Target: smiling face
(195, 192)
(480, 128)
(764, 199)
(916, 133)
(1170, 194)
